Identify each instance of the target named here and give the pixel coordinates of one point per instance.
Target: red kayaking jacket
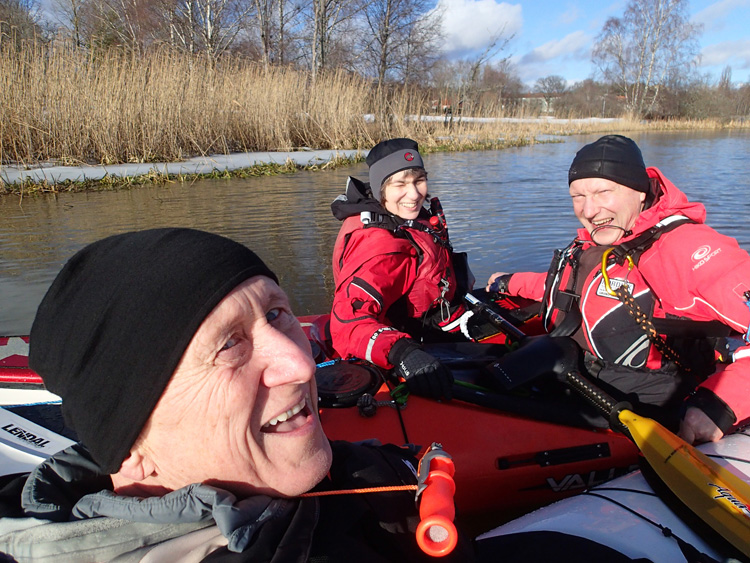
(691, 272)
(373, 269)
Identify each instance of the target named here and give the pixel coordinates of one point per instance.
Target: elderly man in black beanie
(397, 280)
(652, 294)
(191, 387)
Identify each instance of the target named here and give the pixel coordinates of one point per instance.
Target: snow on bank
(54, 174)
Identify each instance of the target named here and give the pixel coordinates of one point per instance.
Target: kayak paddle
(712, 492)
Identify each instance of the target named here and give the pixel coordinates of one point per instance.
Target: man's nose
(287, 361)
(590, 208)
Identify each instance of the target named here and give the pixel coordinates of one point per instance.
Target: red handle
(436, 533)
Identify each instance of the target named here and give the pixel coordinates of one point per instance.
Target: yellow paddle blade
(711, 491)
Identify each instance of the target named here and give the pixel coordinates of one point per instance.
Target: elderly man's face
(605, 208)
(240, 411)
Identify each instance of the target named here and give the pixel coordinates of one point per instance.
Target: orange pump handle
(436, 533)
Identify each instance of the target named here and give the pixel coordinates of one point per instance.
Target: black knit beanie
(116, 321)
(391, 156)
(613, 157)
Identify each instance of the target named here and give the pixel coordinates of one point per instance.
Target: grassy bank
(70, 107)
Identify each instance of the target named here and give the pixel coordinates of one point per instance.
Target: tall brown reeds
(74, 106)
(112, 107)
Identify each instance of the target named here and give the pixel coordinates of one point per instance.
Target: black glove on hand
(424, 374)
(500, 285)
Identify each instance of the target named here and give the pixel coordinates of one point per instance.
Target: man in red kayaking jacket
(395, 271)
(652, 294)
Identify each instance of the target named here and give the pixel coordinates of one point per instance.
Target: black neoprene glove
(500, 285)
(424, 374)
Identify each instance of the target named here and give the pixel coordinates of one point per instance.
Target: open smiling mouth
(602, 223)
(289, 420)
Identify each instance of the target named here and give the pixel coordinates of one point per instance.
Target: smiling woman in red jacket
(395, 271)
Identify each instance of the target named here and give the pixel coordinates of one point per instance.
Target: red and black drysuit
(688, 272)
(394, 279)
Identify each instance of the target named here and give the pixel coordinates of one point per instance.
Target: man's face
(605, 208)
(240, 411)
(405, 192)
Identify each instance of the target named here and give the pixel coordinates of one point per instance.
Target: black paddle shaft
(600, 399)
(497, 319)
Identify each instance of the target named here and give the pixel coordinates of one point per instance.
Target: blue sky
(556, 36)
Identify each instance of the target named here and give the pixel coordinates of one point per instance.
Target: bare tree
(590, 98)
(202, 26)
(328, 18)
(640, 52)
(19, 21)
(124, 22)
(552, 86)
(725, 81)
(71, 15)
(396, 30)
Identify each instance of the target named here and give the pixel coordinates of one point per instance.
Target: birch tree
(640, 52)
(396, 31)
(205, 26)
(328, 17)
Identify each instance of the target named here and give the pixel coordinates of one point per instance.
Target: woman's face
(405, 192)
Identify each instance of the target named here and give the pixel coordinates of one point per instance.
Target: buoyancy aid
(577, 296)
(440, 275)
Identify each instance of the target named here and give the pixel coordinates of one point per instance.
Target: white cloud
(470, 25)
(736, 53)
(714, 16)
(571, 44)
(571, 14)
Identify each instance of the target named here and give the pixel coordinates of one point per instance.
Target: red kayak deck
(506, 464)
(14, 361)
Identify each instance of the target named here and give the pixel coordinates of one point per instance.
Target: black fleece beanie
(116, 321)
(612, 157)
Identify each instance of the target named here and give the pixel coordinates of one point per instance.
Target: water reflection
(508, 209)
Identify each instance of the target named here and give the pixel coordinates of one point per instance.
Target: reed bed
(73, 106)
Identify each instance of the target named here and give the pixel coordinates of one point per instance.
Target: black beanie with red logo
(391, 156)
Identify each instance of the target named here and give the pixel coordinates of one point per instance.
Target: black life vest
(602, 324)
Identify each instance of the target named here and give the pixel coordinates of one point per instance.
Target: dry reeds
(77, 106)
(66, 104)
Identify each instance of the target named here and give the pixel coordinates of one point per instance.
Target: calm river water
(509, 209)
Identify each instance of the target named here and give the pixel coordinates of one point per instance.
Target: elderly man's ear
(136, 466)
(136, 474)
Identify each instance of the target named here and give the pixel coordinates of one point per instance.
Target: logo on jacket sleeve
(703, 255)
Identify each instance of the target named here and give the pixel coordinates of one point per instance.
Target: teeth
(286, 415)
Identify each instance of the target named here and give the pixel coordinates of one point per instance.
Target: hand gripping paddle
(715, 494)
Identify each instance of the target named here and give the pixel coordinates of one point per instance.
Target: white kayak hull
(625, 515)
